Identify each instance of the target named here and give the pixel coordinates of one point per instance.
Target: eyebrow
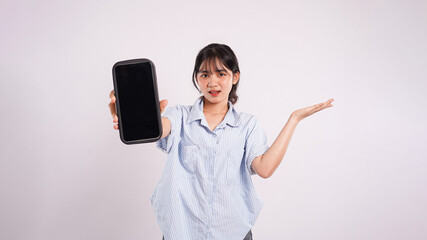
(219, 70)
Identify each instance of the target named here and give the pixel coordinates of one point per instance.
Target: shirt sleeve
(174, 114)
(256, 144)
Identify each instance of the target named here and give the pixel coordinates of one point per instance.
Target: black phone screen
(137, 101)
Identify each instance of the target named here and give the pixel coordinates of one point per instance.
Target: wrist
(294, 118)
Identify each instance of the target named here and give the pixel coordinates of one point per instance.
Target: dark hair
(225, 56)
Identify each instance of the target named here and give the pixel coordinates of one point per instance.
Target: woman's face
(216, 81)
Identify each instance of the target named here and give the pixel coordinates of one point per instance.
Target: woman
(206, 190)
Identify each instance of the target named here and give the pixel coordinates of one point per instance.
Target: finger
(317, 106)
(115, 119)
(163, 105)
(116, 126)
(112, 107)
(324, 105)
(112, 97)
(328, 103)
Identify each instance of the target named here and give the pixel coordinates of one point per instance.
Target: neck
(221, 107)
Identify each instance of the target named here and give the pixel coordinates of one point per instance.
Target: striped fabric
(206, 191)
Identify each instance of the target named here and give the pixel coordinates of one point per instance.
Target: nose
(213, 81)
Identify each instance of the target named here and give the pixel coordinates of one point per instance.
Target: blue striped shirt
(206, 191)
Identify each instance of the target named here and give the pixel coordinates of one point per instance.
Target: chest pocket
(190, 156)
(235, 165)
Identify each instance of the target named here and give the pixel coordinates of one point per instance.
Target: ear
(236, 77)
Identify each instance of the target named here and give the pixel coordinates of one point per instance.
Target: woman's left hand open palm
(302, 113)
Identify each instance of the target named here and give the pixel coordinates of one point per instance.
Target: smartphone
(137, 101)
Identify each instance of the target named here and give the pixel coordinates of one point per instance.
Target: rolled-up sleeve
(174, 114)
(256, 144)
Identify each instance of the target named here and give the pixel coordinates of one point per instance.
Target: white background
(353, 171)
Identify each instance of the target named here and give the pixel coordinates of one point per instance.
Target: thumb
(163, 105)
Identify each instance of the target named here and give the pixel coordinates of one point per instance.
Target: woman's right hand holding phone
(112, 106)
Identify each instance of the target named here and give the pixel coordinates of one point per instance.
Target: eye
(204, 75)
(222, 74)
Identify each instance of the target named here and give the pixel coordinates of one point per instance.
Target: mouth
(214, 93)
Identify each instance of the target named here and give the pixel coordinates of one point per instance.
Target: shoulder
(247, 120)
(177, 112)
(178, 109)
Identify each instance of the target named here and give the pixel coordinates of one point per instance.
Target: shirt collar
(196, 113)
